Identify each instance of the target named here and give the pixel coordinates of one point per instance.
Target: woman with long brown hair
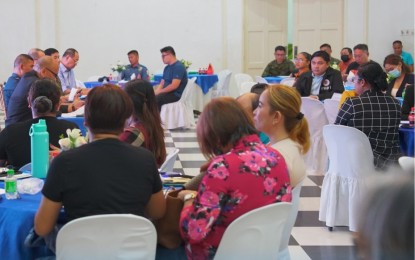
(144, 127)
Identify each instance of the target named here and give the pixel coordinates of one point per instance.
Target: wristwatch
(189, 196)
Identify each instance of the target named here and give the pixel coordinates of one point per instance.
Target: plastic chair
(331, 107)
(288, 81)
(180, 113)
(246, 87)
(168, 164)
(260, 79)
(284, 253)
(3, 106)
(26, 168)
(222, 88)
(112, 236)
(407, 163)
(255, 234)
(344, 184)
(242, 78)
(316, 158)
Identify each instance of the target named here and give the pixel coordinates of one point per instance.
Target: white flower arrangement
(74, 139)
(186, 63)
(119, 67)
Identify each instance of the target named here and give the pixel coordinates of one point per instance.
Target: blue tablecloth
(77, 120)
(16, 220)
(205, 82)
(406, 139)
(274, 80)
(93, 84)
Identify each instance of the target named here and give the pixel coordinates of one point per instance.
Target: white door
(317, 22)
(265, 27)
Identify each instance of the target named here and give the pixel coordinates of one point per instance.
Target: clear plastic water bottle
(39, 140)
(11, 186)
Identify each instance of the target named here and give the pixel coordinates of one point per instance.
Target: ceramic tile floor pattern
(310, 238)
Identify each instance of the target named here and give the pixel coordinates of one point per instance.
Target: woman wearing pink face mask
(399, 75)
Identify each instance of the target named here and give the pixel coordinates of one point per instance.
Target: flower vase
(118, 77)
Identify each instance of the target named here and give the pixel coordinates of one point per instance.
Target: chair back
(241, 78)
(255, 234)
(3, 106)
(26, 168)
(246, 87)
(288, 81)
(286, 233)
(260, 79)
(344, 185)
(224, 80)
(112, 236)
(168, 164)
(180, 113)
(331, 107)
(316, 158)
(407, 163)
(188, 91)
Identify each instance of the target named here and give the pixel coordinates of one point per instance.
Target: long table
(406, 140)
(16, 220)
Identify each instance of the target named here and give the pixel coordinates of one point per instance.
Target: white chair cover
(246, 87)
(241, 78)
(331, 107)
(180, 113)
(284, 253)
(113, 236)
(260, 79)
(407, 163)
(255, 234)
(288, 81)
(168, 164)
(316, 158)
(222, 87)
(344, 185)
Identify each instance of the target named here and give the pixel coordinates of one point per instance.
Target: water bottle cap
(40, 126)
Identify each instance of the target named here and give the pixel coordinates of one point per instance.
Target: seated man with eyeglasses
(66, 74)
(174, 80)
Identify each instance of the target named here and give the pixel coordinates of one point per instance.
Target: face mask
(394, 73)
(345, 58)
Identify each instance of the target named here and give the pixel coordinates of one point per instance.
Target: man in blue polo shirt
(174, 78)
(406, 56)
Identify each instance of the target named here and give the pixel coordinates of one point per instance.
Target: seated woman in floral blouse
(243, 175)
(144, 126)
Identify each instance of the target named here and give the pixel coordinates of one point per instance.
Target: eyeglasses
(298, 60)
(164, 55)
(54, 74)
(75, 61)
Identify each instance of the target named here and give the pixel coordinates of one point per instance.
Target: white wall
(103, 31)
(201, 31)
(378, 23)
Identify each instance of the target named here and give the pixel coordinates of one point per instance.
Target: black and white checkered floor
(310, 239)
